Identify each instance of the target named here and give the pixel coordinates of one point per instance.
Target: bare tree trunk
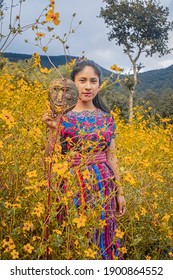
(131, 105)
(132, 92)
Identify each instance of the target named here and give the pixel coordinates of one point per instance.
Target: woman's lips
(87, 93)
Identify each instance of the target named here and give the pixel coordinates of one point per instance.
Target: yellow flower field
(28, 201)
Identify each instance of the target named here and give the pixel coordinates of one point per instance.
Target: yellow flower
(64, 224)
(6, 243)
(39, 210)
(11, 246)
(36, 59)
(155, 194)
(123, 250)
(136, 216)
(52, 3)
(45, 70)
(119, 233)
(76, 242)
(7, 117)
(116, 68)
(64, 200)
(169, 234)
(160, 179)
(50, 250)
(16, 205)
(52, 16)
(69, 193)
(80, 221)
(8, 136)
(165, 120)
(7, 204)
(72, 63)
(7, 250)
(148, 257)
(40, 34)
(146, 163)
(59, 232)
(129, 178)
(60, 168)
(155, 204)
(102, 223)
(27, 226)
(166, 217)
(170, 254)
(18, 198)
(143, 211)
(104, 84)
(1, 144)
(45, 49)
(32, 174)
(34, 238)
(90, 253)
(11, 242)
(14, 254)
(86, 174)
(28, 248)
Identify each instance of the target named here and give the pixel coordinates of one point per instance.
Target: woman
(91, 130)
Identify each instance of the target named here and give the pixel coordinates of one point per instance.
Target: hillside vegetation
(154, 89)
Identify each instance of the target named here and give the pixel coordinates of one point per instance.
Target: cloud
(90, 37)
(165, 63)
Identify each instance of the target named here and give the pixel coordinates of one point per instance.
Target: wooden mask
(62, 95)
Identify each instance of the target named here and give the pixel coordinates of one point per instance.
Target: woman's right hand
(49, 120)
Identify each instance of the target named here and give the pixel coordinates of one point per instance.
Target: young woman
(91, 128)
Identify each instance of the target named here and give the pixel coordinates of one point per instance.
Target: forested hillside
(57, 60)
(155, 80)
(154, 89)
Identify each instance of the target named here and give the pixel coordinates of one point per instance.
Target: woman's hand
(121, 206)
(49, 120)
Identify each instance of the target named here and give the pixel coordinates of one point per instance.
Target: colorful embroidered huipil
(90, 134)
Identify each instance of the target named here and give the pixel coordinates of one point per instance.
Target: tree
(140, 26)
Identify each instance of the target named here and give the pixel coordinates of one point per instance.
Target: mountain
(56, 60)
(155, 80)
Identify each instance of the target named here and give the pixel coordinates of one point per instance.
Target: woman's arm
(112, 160)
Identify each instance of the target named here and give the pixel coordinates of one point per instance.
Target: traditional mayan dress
(90, 134)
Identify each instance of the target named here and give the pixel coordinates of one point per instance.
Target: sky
(90, 37)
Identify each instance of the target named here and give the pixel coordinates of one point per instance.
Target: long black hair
(79, 66)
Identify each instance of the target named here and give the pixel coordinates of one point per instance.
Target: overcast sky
(91, 36)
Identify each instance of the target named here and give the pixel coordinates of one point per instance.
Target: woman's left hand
(121, 205)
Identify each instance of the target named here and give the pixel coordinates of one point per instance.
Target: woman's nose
(88, 85)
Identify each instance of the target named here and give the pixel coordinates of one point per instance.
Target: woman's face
(87, 82)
